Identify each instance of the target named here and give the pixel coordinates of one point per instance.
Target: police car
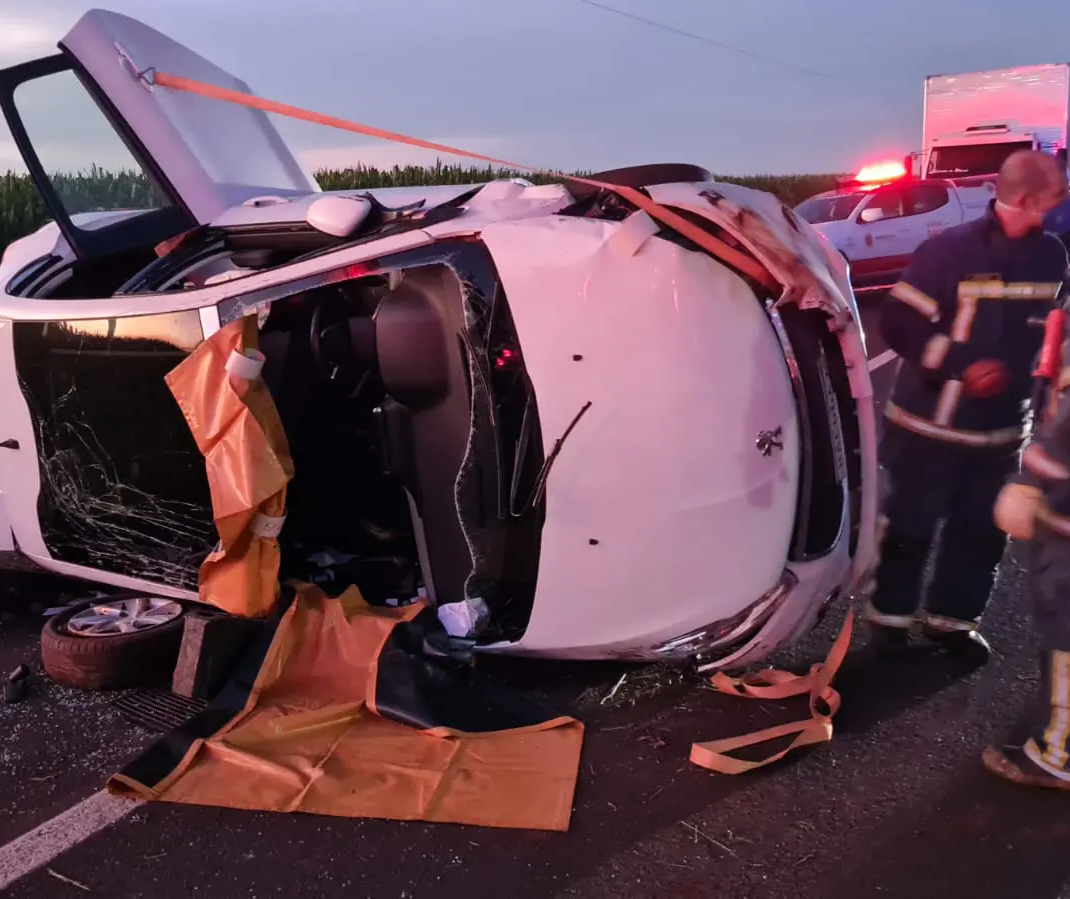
(878, 217)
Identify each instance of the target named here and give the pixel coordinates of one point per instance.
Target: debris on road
(698, 833)
(15, 685)
(69, 880)
(616, 687)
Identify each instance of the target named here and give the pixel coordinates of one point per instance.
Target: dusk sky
(830, 84)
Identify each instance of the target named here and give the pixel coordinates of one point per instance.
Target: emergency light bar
(870, 177)
(880, 172)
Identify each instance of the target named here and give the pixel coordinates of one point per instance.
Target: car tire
(116, 662)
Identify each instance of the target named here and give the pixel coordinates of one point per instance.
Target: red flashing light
(881, 172)
(351, 272)
(505, 357)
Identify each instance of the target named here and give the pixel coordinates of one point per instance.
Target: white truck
(974, 120)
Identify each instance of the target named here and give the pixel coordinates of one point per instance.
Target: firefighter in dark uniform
(960, 321)
(1035, 507)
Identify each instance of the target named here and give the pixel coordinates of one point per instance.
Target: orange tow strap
(667, 217)
(774, 684)
(768, 684)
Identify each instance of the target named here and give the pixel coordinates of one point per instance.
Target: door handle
(10, 443)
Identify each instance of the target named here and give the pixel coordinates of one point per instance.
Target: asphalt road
(897, 806)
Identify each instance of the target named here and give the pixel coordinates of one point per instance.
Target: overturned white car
(536, 396)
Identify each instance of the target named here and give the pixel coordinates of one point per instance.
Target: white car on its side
(535, 394)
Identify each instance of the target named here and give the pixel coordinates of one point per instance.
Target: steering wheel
(333, 355)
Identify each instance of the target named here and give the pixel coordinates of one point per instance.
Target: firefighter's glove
(1016, 509)
(985, 378)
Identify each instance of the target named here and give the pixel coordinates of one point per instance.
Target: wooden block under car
(211, 643)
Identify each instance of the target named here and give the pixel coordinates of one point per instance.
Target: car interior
(402, 445)
(405, 435)
(378, 418)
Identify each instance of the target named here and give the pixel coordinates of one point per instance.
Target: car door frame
(20, 531)
(143, 230)
(217, 305)
(20, 466)
(941, 217)
(865, 262)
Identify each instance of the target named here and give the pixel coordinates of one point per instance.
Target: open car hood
(215, 155)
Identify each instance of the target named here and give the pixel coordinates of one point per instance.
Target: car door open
(98, 470)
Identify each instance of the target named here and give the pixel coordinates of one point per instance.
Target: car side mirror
(871, 214)
(337, 216)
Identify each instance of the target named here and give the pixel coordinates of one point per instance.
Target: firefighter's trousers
(929, 482)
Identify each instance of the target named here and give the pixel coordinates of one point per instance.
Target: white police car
(878, 217)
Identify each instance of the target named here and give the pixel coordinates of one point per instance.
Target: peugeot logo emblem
(767, 441)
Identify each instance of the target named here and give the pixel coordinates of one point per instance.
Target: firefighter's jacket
(968, 294)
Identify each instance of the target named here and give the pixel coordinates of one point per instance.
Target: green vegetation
(21, 211)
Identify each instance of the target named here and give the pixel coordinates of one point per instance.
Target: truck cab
(978, 152)
(973, 121)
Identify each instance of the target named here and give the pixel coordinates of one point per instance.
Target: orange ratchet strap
(667, 217)
(774, 684)
(767, 684)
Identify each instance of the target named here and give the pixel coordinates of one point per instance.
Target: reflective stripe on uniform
(948, 402)
(1009, 290)
(914, 298)
(951, 393)
(947, 625)
(871, 614)
(1059, 723)
(1033, 753)
(935, 352)
(963, 321)
(926, 428)
(1036, 461)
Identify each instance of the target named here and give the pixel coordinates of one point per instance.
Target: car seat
(425, 419)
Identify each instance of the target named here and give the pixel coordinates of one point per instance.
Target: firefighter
(959, 318)
(1035, 507)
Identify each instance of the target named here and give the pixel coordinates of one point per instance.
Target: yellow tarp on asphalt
(309, 739)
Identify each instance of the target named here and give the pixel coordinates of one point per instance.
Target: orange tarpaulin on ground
(237, 427)
(336, 723)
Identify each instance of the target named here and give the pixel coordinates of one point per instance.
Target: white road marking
(882, 360)
(38, 847)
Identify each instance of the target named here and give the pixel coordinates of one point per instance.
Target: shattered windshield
(833, 208)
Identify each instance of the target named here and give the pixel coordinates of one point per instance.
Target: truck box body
(974, 120)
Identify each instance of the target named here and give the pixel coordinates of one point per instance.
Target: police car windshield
(828, 209)
(971, 159)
